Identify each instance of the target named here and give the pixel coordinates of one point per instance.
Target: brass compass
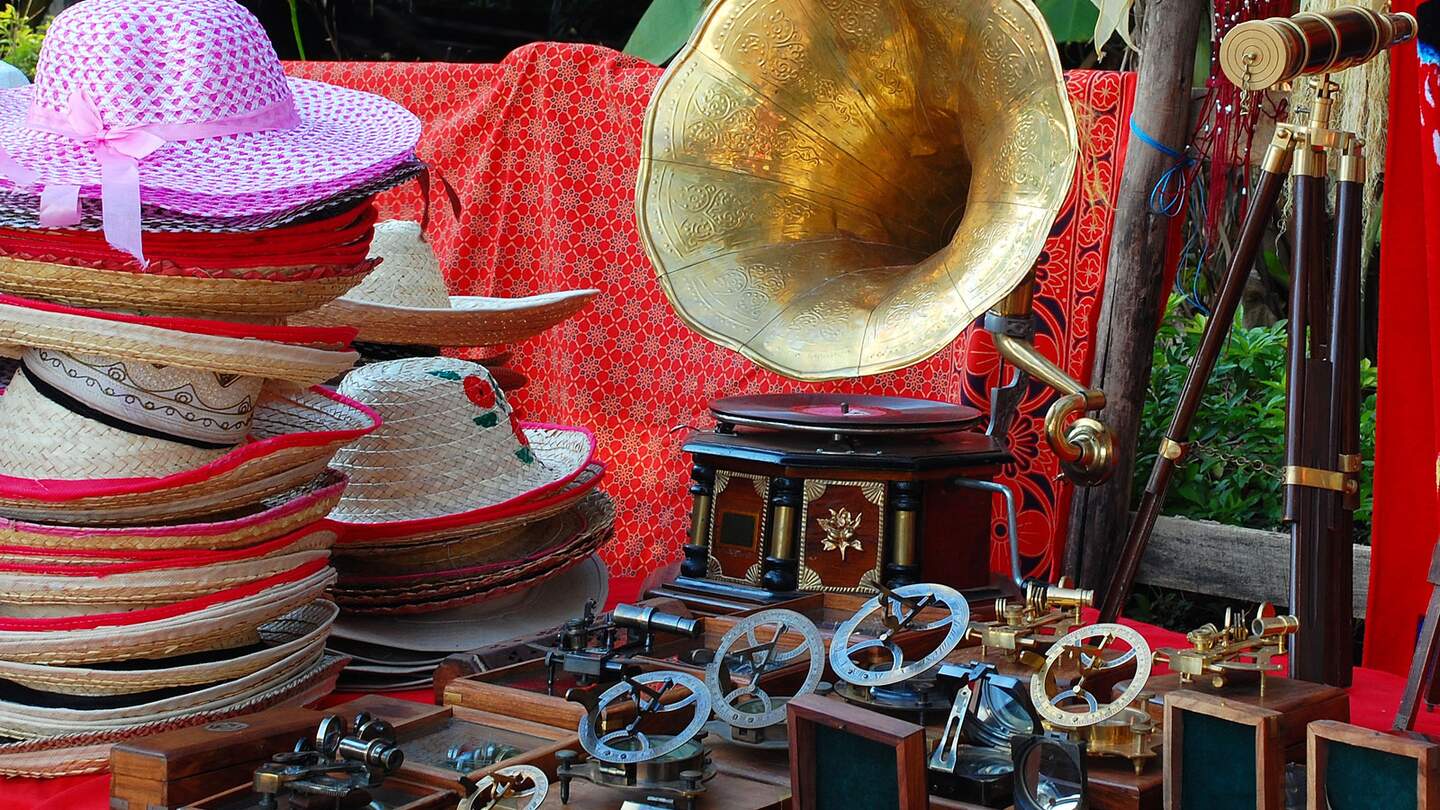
(757, 647)
(900, 609)
(1079, 669)
(518, 787)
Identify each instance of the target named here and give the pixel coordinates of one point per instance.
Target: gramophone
(837, 195)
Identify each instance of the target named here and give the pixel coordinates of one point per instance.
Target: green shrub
(21, 33)
(1232, 474)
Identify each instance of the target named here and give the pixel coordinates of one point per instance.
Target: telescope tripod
(1322, 425)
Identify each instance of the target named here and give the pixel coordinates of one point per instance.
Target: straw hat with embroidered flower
(404, 301)
(449, 455)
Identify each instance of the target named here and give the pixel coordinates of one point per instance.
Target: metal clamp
(1319, 479)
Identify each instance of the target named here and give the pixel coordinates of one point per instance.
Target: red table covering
(1373, 698)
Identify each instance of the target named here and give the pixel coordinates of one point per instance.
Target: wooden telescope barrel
(1260, 54)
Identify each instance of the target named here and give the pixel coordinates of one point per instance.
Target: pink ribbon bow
(119, 151)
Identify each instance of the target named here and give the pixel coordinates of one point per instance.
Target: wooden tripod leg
(1421, 682)
(1212, 341)
(1301, 414)
(1344, 444)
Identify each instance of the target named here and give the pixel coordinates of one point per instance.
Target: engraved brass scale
(837, 190)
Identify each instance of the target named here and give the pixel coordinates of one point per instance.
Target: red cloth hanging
(1407, 422)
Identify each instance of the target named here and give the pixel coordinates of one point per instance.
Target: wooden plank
(1219, 560)
(1134, 284)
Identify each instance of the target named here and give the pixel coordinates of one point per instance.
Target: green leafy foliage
(1238, 436)
(1070, 20)
(662, 31)
(21, 33)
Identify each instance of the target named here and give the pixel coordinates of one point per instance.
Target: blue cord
(1168, 196)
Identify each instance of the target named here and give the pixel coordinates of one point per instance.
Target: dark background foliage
(444, 30)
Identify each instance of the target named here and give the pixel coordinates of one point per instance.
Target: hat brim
(297, 630)
(89, 752)
(222, 620)
(20, 720)
(428, 597)
(268, 519)
(277, 272)
(293, 437)
(546, 604)
(471, 551)
(297, 354)
(565, 453)
(28, 589)
(344, 138)
(22, 211)
(469, 320)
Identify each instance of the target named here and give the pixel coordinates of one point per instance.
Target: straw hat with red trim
(30, 588)
(449, 456)
(275, 272)
(260, 522)
(404, 301)
(123, 419)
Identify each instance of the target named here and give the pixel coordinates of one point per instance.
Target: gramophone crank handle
(1212, 340)
(1086, 448)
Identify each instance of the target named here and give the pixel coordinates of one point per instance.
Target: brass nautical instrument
(1217, 653)
(838, 188)
(1023, 629)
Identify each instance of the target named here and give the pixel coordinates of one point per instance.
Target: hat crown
(409, 274)
(447, 441)
(142, 62)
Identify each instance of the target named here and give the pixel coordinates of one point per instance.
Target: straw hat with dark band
(404, 301)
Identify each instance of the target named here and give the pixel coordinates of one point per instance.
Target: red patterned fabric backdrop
(1407, 418)
(543, 150)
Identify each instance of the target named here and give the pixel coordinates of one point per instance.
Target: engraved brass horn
(837, 188)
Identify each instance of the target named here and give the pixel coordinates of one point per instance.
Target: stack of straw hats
(167, 198)
(461, 525)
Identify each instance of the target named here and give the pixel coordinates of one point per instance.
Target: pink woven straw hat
(183, 104)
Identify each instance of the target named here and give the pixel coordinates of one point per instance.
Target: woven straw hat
(272, 273)
(89, 751)
(43, 589)
(293, 434)
(265, 520)
(21, 210)
(467, 551)
(449, 453)
(381, 538)
(404, 301)
(197, 114)
(304, 628)
(511, 568)
(230, 618)
(438, 634)
(44, 715)
(306, 356)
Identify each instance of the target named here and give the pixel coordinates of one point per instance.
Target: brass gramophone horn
(837, 188)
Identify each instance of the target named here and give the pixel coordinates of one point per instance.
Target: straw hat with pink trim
(183, 104)
(450, 456)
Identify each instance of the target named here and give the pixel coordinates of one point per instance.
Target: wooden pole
(1134, 280)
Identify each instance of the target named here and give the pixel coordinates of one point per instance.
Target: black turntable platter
(844, 413)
